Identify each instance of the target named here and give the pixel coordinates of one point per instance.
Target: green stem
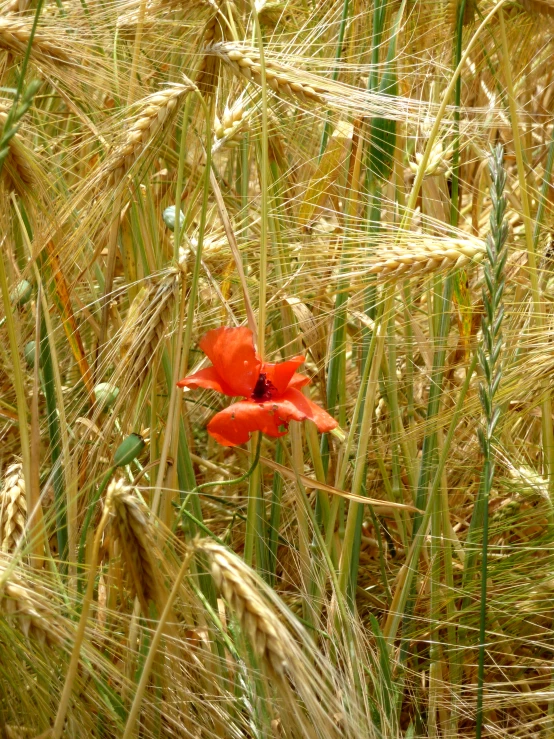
(415, 548)
(90, 512)
(346, 575)
(335, 75)
(49, 386)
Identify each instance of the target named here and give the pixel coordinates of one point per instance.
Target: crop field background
(363, 184)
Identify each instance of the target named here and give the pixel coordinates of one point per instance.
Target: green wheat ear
(490, 359)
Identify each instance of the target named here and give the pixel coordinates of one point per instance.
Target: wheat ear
(268, 636)
(131, 528)
(13, 509)
(15, 35)
(402, 261)
(154, 112)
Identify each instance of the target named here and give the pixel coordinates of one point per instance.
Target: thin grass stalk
(454, 654)
(490, 359)
(274, 523)
(49, 387)
(59, 722)
(174, 418)
(410, 568)
(302, 497)
(335, 73)
(539, 308)
(15, 113)
(345, 573)
(354, 427)
(428, 455)
(179, 227)
(184, 338)
(253, 522)
(455, 190)
(60, 416)
(153, 650)
(397, 429)
(379, 160)
(543, 195)
(35, 428)
(22, 411)
(435, 613)
(454, 220)
(420, 174)
(193, 291)
(264, 185)
(335, 390)
(136, 51)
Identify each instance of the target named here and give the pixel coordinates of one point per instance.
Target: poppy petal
(281, 373)
(294, 406)
(232, 353)
(233, 425)
(207, 378)
(298, 380)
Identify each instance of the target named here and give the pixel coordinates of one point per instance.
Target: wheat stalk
(154, 112)
(13, 509)
(15, 35)
(131, 528)
(268, 636)
(402, 261)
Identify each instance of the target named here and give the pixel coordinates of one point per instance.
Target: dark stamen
(263, 388)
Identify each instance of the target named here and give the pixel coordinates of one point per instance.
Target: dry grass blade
(145, 327)
(131, 528)
(402, 261)
(13, 508)
(154, 112)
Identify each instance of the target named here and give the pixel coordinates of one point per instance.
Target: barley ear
(145, 326)
(29, 608)
(267, 635)
(13, 509)
(132, 529)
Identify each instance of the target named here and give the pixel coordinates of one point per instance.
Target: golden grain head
(13, 508)
(132, 530)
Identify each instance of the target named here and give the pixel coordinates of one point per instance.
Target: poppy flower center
(263, 389)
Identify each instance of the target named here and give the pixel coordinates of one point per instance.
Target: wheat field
(339, 211)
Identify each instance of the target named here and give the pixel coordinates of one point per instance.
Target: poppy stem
(242, 477)
(234, 481)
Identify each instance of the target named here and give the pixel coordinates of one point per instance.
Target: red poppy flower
(272, 393)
